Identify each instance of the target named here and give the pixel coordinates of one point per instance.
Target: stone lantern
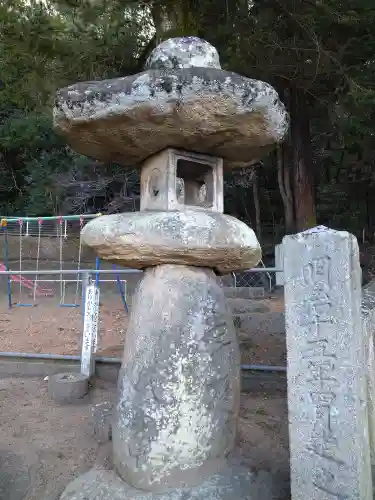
(182, 121)
(163, 176)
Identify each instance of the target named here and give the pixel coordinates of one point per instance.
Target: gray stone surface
(236, 483)
(183, 52)
(67, 387)
(368, 325)
(179, 386)
(269, 323)
(203, 109)
(102, 421)
(328, 420)
(174, 180)
(14, 476)
(190, 237)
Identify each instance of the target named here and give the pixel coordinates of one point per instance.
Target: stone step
(269, 323)
(245, 306)
(244, 292)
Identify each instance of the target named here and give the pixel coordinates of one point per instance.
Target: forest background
(318, 54)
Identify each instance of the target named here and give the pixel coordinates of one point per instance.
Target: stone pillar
(327, 400)
(179, 385)
(368, 326)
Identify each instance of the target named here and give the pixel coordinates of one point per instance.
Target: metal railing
(113, 271)
(263, 277)
(50, 225)
(89, 275)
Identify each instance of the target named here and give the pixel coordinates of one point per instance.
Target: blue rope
(6, 259)
(121, 290)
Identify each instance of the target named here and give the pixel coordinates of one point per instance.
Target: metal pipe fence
(106, 359)
(109, 271)
(79, 281)
(87, 277)
(47, 227)
(50, 217)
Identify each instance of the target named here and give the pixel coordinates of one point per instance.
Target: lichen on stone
(184, 52)
(183, 100)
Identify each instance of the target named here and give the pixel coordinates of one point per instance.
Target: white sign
(90, 329)
(279, 264)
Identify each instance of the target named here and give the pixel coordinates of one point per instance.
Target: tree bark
(162, 19)
(303, 171)
(258, 223)
(283, 177)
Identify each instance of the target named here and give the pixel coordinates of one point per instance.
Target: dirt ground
(44, 446)
(48, 328)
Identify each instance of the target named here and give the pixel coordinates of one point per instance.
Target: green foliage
(44, 46)
(324, 47)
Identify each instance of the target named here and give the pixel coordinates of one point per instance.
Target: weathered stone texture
(166, 187)
(206, 110)
(328, 420)
(179, 384)
(175, 421)
(368, 329)
(235, 483)
(183, 52)
(190, 237)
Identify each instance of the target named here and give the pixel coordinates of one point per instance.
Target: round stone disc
(183, 100)
(190, 237)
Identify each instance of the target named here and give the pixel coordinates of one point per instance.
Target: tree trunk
(162, 19)
(258, 224)
(283, 177)
(303, 172)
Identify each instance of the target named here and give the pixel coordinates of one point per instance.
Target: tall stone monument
(327, 367)
(183, 120)
(368, 329)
